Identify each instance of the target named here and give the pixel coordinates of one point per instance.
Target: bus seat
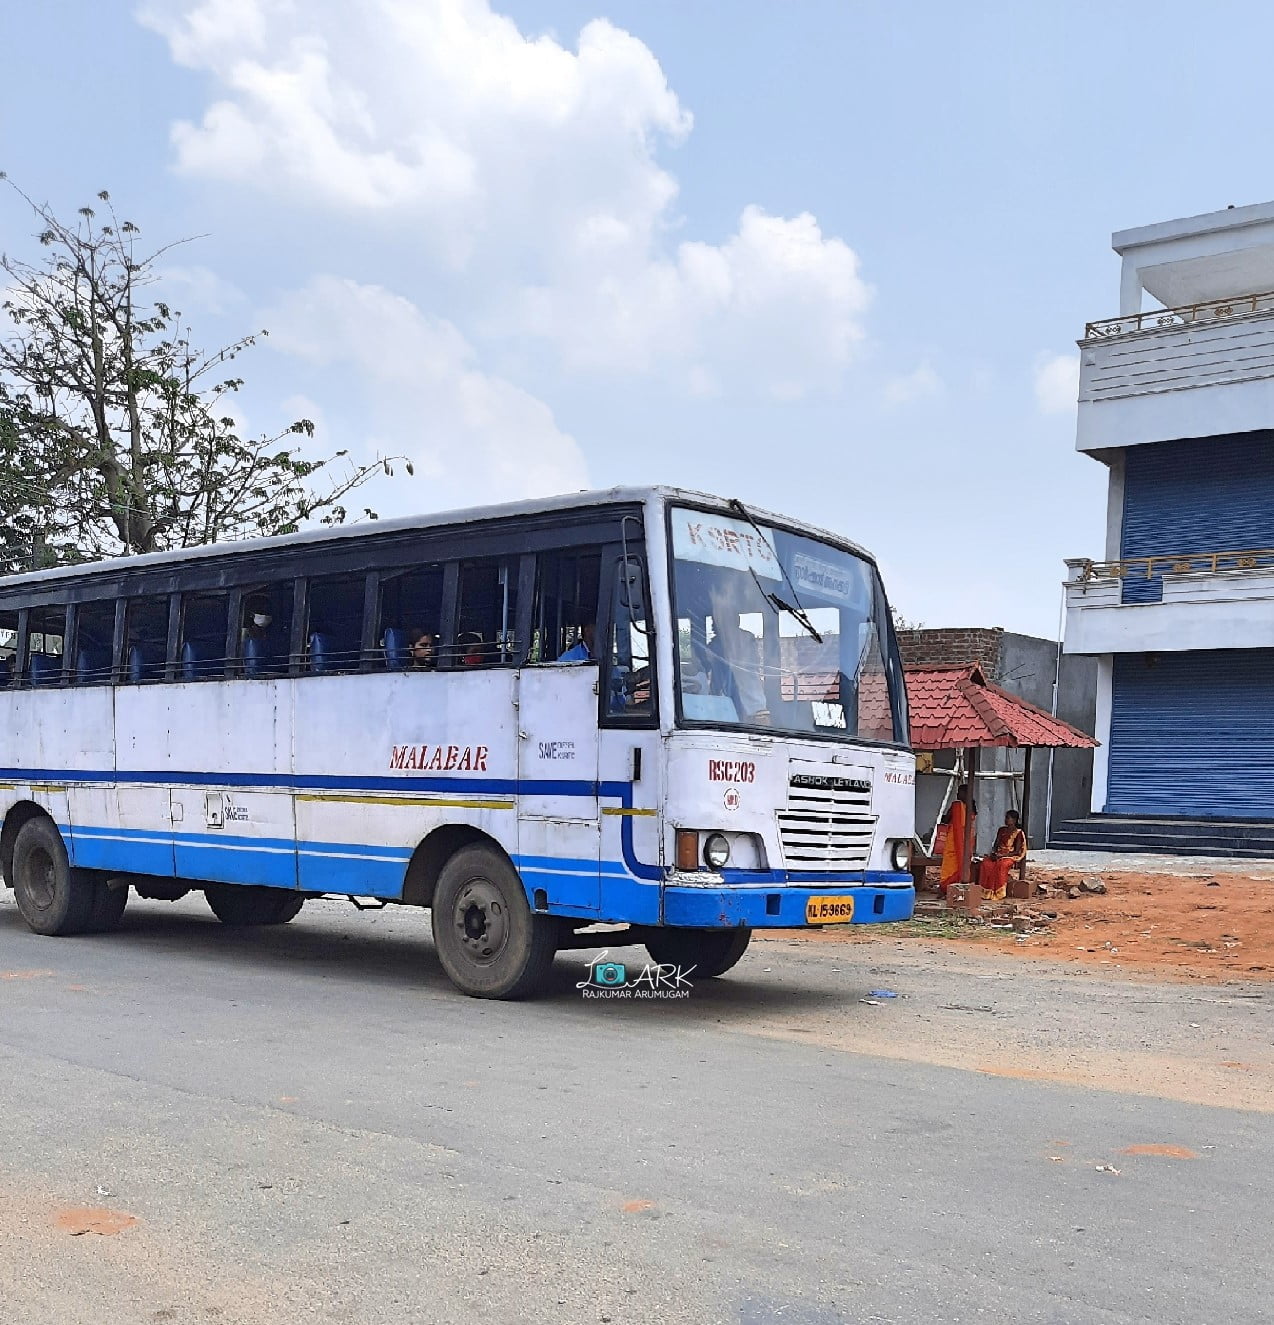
(252, 655)
(92, 664)
(44, 669)
(145, 663)
(6, 670)
(194, 660)
(320, 653)
(396, 649)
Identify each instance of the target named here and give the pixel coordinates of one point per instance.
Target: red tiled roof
(954, 707)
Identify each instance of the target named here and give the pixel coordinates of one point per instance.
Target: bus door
(559, 828)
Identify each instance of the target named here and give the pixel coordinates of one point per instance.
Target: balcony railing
(1210, 311)
(1184, 563)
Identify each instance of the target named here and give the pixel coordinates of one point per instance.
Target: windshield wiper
(794, 608)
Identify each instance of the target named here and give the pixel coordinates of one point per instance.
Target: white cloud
(199, 289)
(530, 167)
(471, 436)
(922, 381)
(1057, 383)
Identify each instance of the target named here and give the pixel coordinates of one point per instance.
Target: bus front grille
(828, 824)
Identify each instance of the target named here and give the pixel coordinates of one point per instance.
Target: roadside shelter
(957, 708)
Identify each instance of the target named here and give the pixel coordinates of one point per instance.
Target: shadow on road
(393, 949)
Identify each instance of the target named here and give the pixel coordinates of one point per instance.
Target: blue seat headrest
(252, 654)
(92, 664)
(396, 648)
(191, 656)
(320, 650)
(44, 669)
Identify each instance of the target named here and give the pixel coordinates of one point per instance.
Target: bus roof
(433, 520)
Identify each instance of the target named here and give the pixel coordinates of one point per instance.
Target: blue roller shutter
(1192, 734)
(1210, 494)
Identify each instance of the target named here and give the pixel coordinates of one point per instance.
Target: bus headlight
(900, 855)
(716, 851)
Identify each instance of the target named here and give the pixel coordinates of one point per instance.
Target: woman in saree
(1009, 851)
(953, 851)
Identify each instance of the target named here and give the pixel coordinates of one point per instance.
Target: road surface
(308, 1124)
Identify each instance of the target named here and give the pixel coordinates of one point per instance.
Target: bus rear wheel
(711, 952)
(241, 904)
(52, 897)
(490, 943)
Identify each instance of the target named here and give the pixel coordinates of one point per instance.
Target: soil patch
(1195, 927)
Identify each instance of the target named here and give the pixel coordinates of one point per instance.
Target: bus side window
(94, 643)
(566, 598)
(334, 634)
(8, 646)
(145, 640)
(201, 651)
(265, 629)
(629, 684)
(486, 613)
(46, 637)
(409, 625)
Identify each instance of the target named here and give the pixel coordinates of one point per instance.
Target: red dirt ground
(1207, 928)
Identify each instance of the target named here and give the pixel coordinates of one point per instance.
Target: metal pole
(1026, 795)
(966, 855)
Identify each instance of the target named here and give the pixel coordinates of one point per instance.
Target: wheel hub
(481, 921)
(40, 879)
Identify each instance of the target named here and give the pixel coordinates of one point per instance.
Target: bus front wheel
(711, 952)
(489, 942)
(242, 904)
(52, 897)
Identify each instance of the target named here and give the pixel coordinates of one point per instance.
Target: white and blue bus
(643, 708)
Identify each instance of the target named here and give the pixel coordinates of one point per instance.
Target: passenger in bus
(422, 650)
(470, 648)
(582, 650)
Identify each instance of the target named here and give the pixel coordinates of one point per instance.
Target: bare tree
(116, 433)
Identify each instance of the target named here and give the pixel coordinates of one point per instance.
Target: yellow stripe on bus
(619, 809)
(412, 800)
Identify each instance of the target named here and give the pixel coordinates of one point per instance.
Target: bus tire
(243, 904)
(711, 952)
(52, 897)
(488, 940)
(108, 906)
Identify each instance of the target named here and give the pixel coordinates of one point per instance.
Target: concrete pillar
(1129, 289)
(1101, 730)
(1115, 506)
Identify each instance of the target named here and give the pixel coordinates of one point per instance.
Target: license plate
(829, 910)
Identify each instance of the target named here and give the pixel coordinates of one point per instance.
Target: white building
(1177, 400)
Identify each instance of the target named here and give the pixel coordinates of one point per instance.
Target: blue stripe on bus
(364, 870)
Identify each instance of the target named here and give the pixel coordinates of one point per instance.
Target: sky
(829, 257)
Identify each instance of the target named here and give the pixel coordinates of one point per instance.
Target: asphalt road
(308, 1124)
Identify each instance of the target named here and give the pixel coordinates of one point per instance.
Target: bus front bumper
(789, 906)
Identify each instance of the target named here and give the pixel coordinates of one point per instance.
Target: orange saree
(1009, 850)
(953, 851)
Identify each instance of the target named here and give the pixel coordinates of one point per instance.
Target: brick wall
(956, 647)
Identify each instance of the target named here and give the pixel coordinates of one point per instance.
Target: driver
(732, 657)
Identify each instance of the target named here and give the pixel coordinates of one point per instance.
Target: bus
(643, 717)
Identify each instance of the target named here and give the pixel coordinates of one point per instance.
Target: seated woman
(1009, 850)
(953, 852)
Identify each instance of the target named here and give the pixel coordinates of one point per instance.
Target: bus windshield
(777, 630)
